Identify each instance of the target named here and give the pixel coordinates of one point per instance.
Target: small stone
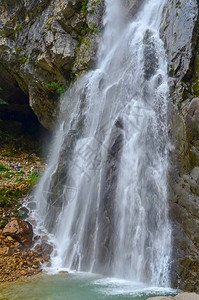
(46, 258)
(19, 230)
(63, 272)
(46, 249)
(17, 245)
(4, 251)
(34, 266)
(9, 238)
(48, 264)
(195, 173)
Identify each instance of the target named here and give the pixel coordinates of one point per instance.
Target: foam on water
(81, 286)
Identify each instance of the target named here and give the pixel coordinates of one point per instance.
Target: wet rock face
(179, 21)
(19, 230)
(192, 122)
(179, 31)
(151, 60)
(46, 249)
(132, 7)
(44, 44)
(107, 204)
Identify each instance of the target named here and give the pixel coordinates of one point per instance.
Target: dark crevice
(18, 123)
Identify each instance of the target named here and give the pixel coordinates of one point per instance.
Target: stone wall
(180, 34)
(44, 45)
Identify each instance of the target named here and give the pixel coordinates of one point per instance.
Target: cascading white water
(104, 194)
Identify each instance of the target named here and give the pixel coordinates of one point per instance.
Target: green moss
(17, 50)
(23, 59)
(164, 9)
(47, 26)
(84, 7)
(87, 42)
(93, 25)
(18, 28)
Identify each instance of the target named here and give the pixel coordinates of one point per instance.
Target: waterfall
(103, 196)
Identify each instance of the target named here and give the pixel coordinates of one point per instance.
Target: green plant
(21, 172)
(87, 43)
(17, 50)
(9, 174)
(9, 196)
(48, 22)
(54, 86)
(84, 7)
(87, 29)
(47, 26)
(34, 178)
(23, 59)
(164, 9)
(17, 28)
(50, 19)
(2, 168)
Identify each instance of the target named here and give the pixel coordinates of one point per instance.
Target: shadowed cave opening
(19, 126)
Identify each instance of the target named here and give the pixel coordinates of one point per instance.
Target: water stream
(103, 197)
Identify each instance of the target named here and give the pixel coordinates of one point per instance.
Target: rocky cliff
(43, 45)
(46, 44)
(180, 34)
